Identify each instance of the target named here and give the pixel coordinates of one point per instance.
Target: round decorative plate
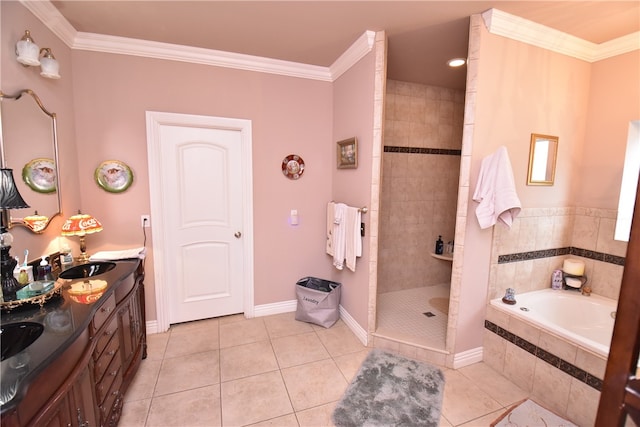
(40, 175)
(113, 176)
(293, 166)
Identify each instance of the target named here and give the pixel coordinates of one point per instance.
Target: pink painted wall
(614, 101)
(521, 89)
(289, 116)
(353, 98)
(56, 95)
(111, 93)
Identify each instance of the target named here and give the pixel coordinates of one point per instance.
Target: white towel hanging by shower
(339, 234)
(344, 242)
(353, 238)
(496, 191)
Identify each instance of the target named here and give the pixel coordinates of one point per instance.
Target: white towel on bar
(339, 234)
(496, 191)
(353, 238)
(330, 221)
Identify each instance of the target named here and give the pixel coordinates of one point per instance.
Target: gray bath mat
(390, 390)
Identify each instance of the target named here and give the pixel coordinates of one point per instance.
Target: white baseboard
(287, 307)
(466, 358)
(355, 327)
(275, 308)
(152, 327)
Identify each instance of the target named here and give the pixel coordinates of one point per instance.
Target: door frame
(154, 121)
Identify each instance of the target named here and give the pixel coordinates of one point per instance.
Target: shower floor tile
(401, 315)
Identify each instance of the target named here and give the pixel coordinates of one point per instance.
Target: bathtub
(587, 321)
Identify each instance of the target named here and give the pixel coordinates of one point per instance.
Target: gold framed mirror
(29, 145)
(543, 154)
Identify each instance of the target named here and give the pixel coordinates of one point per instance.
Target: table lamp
(81, 225)
(10, 198)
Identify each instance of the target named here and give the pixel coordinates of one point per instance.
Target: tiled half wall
(540, 239)
(558, 374)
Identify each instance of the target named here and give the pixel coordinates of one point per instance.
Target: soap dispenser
(44, 271)
(439, 246)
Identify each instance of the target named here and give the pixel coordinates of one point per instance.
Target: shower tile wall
(537, 229)
(421, 165)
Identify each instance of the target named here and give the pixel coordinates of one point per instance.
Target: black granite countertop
(64, 320)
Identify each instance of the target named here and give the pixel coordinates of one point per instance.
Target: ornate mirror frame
(49, 196)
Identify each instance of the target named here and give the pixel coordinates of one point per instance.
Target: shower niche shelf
(445, 257)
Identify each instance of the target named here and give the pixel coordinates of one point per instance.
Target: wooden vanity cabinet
(62, 395)
(74, 407)
(85, 386)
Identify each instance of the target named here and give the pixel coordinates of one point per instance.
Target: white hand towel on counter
(496, 191)
(339, 234)
(353, 238)
(330, 221)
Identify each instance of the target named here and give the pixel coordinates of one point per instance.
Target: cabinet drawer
(102, 362)
(105, 338)
(103, 313)
(110, 398)
(105, 384)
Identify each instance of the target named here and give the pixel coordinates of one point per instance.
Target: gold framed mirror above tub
(29, 146)
(543, 154)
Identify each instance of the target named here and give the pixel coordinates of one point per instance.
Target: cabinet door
(84, 401)
(132, 334)
(60, 414)
(74, 407)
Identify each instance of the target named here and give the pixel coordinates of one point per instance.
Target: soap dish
(36, 288)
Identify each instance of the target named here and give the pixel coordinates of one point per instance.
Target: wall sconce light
(30, 55)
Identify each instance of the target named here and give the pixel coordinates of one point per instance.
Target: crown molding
(496, 21)
(46, 12)
(53, 19)
(355, 53)
(194, 55)
(520, 29)
(618, 46)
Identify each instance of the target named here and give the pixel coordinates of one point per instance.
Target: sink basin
(15, 337)
(87, 270)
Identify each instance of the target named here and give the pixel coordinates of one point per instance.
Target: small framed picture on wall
(348, 153)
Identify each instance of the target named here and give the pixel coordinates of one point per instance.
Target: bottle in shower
(439, 246)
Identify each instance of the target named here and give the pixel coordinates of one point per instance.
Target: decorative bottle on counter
(557, 279)
(66, 259)
(439, 246)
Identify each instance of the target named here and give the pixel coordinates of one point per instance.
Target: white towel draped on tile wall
(496, 191)
(344, 242)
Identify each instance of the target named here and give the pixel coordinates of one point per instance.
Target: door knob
(238, 234)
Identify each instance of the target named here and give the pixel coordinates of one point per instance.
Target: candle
(573, 267)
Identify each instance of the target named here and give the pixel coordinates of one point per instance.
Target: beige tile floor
(276, 371)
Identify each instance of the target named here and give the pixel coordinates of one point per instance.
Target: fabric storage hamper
(318, 301)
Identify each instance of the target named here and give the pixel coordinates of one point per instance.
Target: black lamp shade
(10, 197)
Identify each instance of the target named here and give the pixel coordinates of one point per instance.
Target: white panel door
(201, 192)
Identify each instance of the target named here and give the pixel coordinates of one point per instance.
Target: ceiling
(422, 35)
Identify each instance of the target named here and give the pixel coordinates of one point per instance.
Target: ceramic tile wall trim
(419, 150)
(547, 253)
(546, 356)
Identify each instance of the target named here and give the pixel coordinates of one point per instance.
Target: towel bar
(363, 209)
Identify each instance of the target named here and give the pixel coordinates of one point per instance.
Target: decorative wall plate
(40, 175)
(113, 176)
(293, 166)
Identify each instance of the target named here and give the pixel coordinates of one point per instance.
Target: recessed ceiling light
(456, 62)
